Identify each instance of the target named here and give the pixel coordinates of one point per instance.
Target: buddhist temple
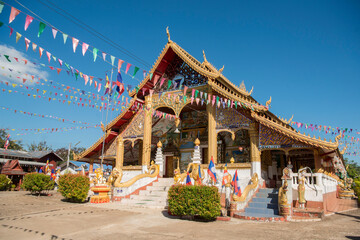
(187, 104)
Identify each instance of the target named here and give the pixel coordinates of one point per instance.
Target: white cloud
(20, 66)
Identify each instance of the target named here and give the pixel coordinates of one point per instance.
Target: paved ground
(23, 216)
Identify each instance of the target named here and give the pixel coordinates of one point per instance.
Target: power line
(86, 28)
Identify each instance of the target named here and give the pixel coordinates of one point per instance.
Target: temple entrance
(169, 166)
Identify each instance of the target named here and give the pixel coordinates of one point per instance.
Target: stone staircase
(154, 196)
(263, 206)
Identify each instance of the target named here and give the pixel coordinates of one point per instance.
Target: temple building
(183, 99)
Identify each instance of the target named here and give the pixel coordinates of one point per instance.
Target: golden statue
(282, 194)
(254, 184)
(301, 188)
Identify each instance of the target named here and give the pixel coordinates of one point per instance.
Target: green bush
(37, 182)
(5, 182)
(74, 187)
(195, 201)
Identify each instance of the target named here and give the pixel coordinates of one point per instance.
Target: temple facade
(183, 99)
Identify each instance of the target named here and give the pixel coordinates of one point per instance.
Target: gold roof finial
(205, 60)
(232, 160)
(159, 144)
(221, 69)
(343, 150)
(251, 90)
(268, 102)
(197, 142)
(168, 34)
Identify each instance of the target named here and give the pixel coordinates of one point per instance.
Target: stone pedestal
(101, 194)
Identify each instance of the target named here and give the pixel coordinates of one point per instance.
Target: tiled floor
(341, 205)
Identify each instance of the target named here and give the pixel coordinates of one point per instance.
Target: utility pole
(68, 158)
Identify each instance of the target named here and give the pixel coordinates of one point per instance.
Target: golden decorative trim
(253, 185)
(235, 97)
(268, 102)
(288, 131)
(229, 165)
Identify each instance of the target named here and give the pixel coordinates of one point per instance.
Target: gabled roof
(27, 155)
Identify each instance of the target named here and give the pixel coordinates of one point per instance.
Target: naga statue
(117, 174)
(254, 184)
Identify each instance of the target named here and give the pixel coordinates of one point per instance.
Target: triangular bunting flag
(84, 48)
(34, 46)
(54, 32)
(27, 43)
(119, 64)
(28, 20)
(41, 28)
(75, 43)
(127, 68)
(65, 36)
(13, 14)
(18, 36)
(95, 51)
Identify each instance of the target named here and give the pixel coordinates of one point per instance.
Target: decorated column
(146, 149)
(254, 149)
(317, 159)
(197, 154)
(159, 159)
(91, 167)
(212, 136)
(119, 152)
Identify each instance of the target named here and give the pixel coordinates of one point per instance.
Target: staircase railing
(254, 184)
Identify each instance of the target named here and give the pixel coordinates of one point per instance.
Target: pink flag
(11, 31)
(209, 99)
(144, 72)
(213, 101)
(28, 20)
(119, 65)
(60, 61)
(151, 92)
(192, 100)
(75, 43)
(192, 93)
(162, 81)
(127, 68)
(99, 87)
(104, 56)
(54, 32)
(84, 48)
(185, 89)
(156, 78)
(48, 55)
(34, 46)
(86, 78)
(201, 94)
(41, 51)
(27, 43)
(197, 101)
(13, 14)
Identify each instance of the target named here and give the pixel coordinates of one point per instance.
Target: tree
(352, 168)
(16, 145)
(41, 146)
(63, 152)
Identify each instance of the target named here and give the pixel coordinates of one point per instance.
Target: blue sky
(305, 54)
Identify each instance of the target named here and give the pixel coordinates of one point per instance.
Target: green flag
(41, 28)
(95, 52)
(67, 65)
(185, 99)
(76, 76)
(135, 71)
(54, 58)
(112, 59)
(236, 104)
(7, 57)
(65, 36)
(169, 84)
(196, 93)
(228, 102)
(1, 24)
(137, 89)
(151, 75)
(1, 6)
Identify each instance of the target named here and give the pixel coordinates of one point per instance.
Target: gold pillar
(119, 152)
(212, 136)
(91, 167)
(146, 149)
(317, 159)
(254, 143)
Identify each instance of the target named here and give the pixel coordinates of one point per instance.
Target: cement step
(265, 200)
(265, 211)
(158, 188)
(263, 205)
(259, 215)
(153, 192)
(145, 197)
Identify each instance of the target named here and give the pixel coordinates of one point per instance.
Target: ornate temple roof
(218, 83)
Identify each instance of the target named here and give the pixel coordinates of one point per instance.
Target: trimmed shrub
(195, 201)
(74, 187)
(5, 182)
(37, 182)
